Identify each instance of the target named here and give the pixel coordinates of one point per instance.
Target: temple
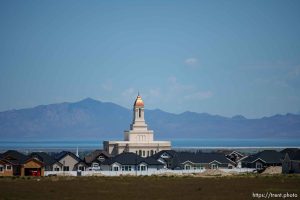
(138, 139)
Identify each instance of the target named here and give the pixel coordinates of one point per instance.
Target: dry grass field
(153, 187)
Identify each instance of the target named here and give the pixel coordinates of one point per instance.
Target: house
(263, 159)
(128, 161)
(199, 160)
(21, 165)
(69, 161)
(6, 167)
(50, 163)
(235, 156)
(95, 159)
(291, 161)
(166, 157)
(190, 160)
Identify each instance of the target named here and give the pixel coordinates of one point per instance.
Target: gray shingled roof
(128, 158)
(158, 154)
(268, 156)
(18, 158)
(44, 157)
(93, 155)
(294, 153)
(62, 154)
(200, 157)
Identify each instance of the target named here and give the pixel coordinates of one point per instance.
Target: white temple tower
(138, 139)
(138, 129)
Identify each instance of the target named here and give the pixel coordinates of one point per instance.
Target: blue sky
(219, 57)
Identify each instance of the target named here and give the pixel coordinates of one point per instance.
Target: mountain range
(92, 119)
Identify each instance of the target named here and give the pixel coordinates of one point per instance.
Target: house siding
(68, 161)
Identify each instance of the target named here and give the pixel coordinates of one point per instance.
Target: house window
(126, 168)
(187, 167)
(214, 166)
(115, 168)
(81, 168)
(143, 168)
(144, 153)
(95, 165)
(151, 152)
(8, 167)
(259, 165)
(198, 167)
(140, 152)
(56, 169)
(1, 168)
(101, 158)
(66, 168)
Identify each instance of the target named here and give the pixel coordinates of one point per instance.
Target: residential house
(95, 159)
(50, 163)
(128, 161)
(235, 156)
(6, 167)
(263, 159)
(291, 161)
(166, 157)
(69, 161)
(199, 160)
(190, 160)
(20, 164)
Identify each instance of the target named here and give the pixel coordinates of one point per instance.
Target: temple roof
(138, 102)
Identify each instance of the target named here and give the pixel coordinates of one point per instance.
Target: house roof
(14, 157)
(44, 157)
(200, 157)
(268, 156)
(294, 153)
(128, 158)
(93, 155)
(169, 152)
(62, 154)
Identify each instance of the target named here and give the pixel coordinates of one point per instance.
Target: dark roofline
(63, 154)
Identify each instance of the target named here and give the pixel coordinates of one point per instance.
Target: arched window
(140, 112)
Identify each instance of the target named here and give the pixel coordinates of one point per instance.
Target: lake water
(178, 143)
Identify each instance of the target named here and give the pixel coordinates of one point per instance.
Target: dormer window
(165, 155)
(101, 158)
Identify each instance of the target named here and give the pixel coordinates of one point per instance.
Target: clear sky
(220, 57)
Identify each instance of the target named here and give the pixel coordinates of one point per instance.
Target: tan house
(69, 161)
(6, 167)
(14, 163)
(32, 167)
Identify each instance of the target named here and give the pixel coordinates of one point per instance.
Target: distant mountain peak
(88, 99)
(93, 119)
(238, 117)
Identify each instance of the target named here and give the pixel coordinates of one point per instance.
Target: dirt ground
(153, 187)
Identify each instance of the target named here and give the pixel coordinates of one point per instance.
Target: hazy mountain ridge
(92, 119)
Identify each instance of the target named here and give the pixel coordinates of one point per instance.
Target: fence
(141, 173)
